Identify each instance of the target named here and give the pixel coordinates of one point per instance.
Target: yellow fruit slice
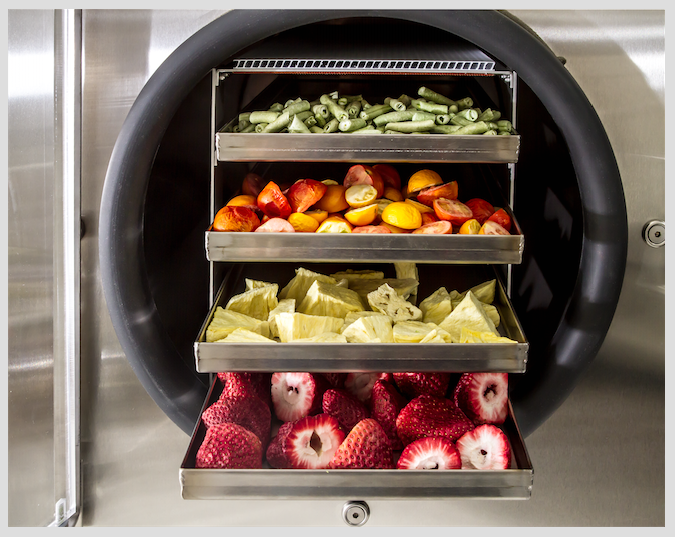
(392, 194)
(333, 201)
(422, 179)
(360, 195)
(362, 216)
(420, 206)
(318, 215)
(303, 222)
(334, 224)
(402, 215)
(394, 229)
(470, 227)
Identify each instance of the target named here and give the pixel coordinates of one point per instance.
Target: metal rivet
(654, 233)
(355, 513)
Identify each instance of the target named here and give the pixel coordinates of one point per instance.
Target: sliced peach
(333, 200)
(429, 194)
(419, 206)
(302, 222)
(272, 202)
(442, 227)
(362, 216)
(490, 227)
(244, 200)
(274, 225)
(233, 218)
(427, 218)
(335, 224)
(317, 214)
(360, 174)
(304, 193)
(402, 215)
(453, 211)
(470, 227)
(392, 194)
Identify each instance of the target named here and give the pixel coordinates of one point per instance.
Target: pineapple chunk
(404, 288)
(330, 300)
(492, 313)
(355, 315)
(411, 331)
(292, 326)
(469, 313)
(386, 300)
(225, 322)
(241, 335)
(485, 292)
(433, 337)
(472, 336)
(443, 334)
(351, 274)
(436, 306)
(407, 270)
(301, 282)
(326, 337)
(257, 302)
(255, 284)
(285, 305)
(370, 329)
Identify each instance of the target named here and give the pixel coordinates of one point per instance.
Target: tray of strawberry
(370, 214)
(365, 435)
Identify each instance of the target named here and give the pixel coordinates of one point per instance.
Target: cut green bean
(263, 117)
(504, 133)
(344, 100)
(260, 127)
(404, 99)
(504, 125)
(334, 108)
(279, 123)
(375, 111)
(460, 120)
(354, 108)
(297, 107)
(321, 110)
(427, 106)
(411, 126)
(431, 95)
(479, 127)
(320, 121)
(316, 130)
(243, 123)
(351, 124)
(368, 129)
(334, 95)
(490, 132)
(310, 121)
(468, 113)
(365, 104)
(332, 125)
(393, 117)
(244, 116)
(297, 126)
(420, 115)
(442, 119)
(445, 129)
(304, 115)
(276, 107)
(395, 104)
(289, 102)
(466, 102)
(489, 115)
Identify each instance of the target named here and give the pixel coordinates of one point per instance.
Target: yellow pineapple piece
(330, 300)
(404, 288)
(469, 313)
(301, 282)
(241, 335)
(411, 331)
(326, 337)
(484, 292)
(286, 305)
(225, 322)
(437, 306)
(473, 336)
(257, 302)
(386, 300)
(292, 326)
(370, 329)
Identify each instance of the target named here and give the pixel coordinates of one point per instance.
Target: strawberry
(414, 384)
(344, 407)
(430, 453)
(427, 415)
(361, 384)
(296, 395)
(388, 377)
(259, 383)
(366, 446)
(228, 445)
(385, 405)
(275, 451)
(483, 397)
(249, 412)
(312, 441)
(485, 448)
(336, 380)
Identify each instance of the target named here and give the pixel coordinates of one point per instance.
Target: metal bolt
(355, 513)
(654, 233)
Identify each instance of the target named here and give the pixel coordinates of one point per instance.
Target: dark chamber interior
(547, 202)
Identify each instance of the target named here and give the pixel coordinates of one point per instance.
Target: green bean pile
(428, 113)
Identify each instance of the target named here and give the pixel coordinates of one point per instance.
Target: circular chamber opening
(568, 200)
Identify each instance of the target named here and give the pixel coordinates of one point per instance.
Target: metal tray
(373, 148)
(268, 483)
(390, 357)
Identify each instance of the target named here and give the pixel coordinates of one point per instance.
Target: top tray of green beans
(428, 127)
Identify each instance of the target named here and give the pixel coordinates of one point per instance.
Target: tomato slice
(371, 229)
(235, 218)
(389, 175)
(480, 208)
(502, 218)
(427, 218)
(453, 211)
(360, 174)
(490, 227)
(442, 227)
(276, 225)
(272, 202)
(429, 194)
(304, 193)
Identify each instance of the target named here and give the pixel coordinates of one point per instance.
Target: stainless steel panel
(592, 468)
(361, 248)
(270, 484)
(373, 148)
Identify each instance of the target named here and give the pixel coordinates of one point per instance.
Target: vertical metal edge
(214, 162)
(66, 236)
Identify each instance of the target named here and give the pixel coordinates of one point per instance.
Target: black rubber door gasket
(162, 371)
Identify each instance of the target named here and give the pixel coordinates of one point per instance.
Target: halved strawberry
(361, 384)
(366, 446)
(485, 448)
(312, 441)
(248, 411)
(296, 395)
(259, 383)
(385, 404)
(428, 415)
(483, 397)
(228, 445)
(414, 384)
(275, 451)
(344, 407)
(430, 454)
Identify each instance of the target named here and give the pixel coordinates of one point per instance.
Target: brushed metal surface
(592, 468)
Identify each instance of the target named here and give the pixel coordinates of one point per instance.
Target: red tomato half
(389, 175)
(481, 209)
(502, 218)
(272, 202)
(491, 227)
(428, 195)
(442, 227)
(453, 211)
(371, 229)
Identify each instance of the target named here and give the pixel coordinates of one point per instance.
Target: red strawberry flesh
(248, 411)
(435, 453)
(228, 445)
(483, 397)
(427, 415)
(312, 441)
(275, 451)
(344, 407)
(366, 446)
(296, 395)
(385, 405)
(485, 448)
(414, 384)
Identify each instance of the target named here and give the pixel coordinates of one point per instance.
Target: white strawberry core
(315, 446)
(429, 464)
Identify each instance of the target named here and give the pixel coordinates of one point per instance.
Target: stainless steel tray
(268, 483)
(363, 247)
(389, 357)
(372, 148)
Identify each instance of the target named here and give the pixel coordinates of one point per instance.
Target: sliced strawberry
(296, 395)
(385, 404)
(344, 407)
(483, 397)
(361, 384)
(366, 446)
(337, 380)
(387, 377)
(430, 454)
(312, 441)
(275, 451)
(259, 383)
(414, 384)
(485, 448)
(249, 411)
(428, 415)
(229, 445)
